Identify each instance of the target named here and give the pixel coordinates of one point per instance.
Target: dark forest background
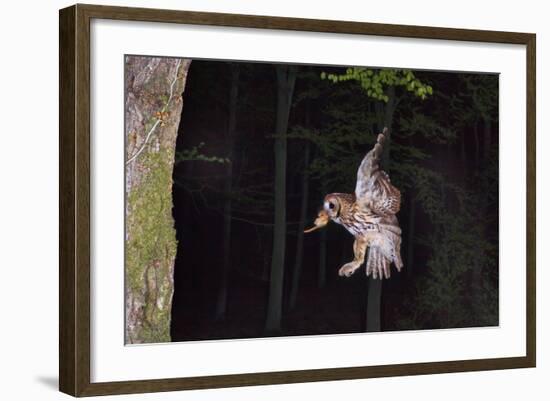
(259, 145)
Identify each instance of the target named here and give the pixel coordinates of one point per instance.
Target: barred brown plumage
(369, 215)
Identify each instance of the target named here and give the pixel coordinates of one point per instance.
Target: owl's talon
(347, 270)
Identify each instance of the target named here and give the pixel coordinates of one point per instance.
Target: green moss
(151, 244)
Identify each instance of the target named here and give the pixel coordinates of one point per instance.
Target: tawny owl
(369, 215)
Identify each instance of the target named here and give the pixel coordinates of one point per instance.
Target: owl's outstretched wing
(385, 249)
(374, 189)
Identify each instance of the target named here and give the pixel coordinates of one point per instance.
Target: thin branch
(162, 111)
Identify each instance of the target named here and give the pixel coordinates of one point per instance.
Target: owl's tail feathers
(377, 264)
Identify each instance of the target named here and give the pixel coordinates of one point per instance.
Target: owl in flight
(369, 215)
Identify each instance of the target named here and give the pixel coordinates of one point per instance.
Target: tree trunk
(300, 234)
(374, 296)
(322, 272)
(322, 276)
(221, 305)
(153, 108)
(286, 76)
(410, 234)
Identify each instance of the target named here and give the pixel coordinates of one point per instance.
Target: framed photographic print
(251, 200)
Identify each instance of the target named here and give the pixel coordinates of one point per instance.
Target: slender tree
(227, 205)
(300, 234)
(322, 271)
(286, 77)
(381, 86)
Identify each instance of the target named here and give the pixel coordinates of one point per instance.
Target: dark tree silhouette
(228, 184)
(286, 77)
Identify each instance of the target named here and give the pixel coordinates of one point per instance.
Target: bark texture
(153, 104)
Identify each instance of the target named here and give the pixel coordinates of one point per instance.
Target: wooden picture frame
(74, 203)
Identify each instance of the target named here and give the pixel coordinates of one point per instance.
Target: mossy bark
(153, 107)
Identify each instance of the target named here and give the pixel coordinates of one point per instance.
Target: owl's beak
(321, 221)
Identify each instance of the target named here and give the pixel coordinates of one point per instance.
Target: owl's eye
(331, 205)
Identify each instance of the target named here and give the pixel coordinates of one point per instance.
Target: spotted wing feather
(374, 189)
